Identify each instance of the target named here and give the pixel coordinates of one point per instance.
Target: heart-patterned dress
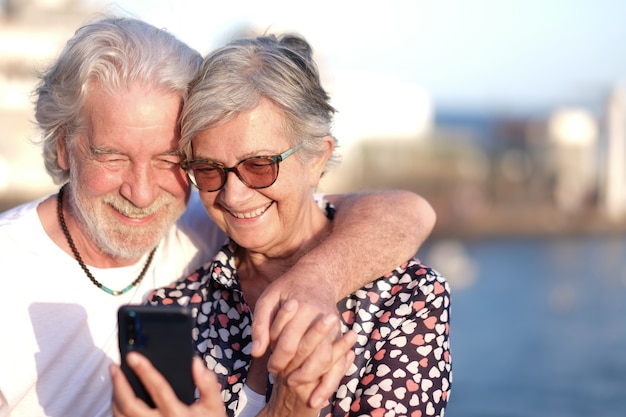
(402, 365)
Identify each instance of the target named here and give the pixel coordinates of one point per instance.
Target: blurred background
(509, 116)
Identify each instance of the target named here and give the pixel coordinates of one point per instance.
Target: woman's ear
(318, 165)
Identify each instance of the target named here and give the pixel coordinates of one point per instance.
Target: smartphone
(163, 335)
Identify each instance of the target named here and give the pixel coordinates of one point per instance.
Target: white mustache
(128, 209)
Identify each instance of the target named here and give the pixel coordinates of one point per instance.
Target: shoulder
(21, 224)
(424, 288)
(412, 277)
(20, 213)
(411, 290)
(423, 277)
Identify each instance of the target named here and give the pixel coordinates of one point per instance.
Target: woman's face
(271, 220)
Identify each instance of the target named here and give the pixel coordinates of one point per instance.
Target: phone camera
(132, 327)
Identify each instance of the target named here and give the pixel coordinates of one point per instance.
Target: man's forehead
(135, 110)
(137, 97)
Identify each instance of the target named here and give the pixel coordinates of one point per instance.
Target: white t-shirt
(58, 330)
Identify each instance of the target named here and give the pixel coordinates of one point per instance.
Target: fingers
(156, 385)
(284, 312)
(264, 311)
(315, 366)
(210, 401)
(124, 402)
(343, 357)
(284, 315)
(322, 372)
(314, 351)
(299, 336)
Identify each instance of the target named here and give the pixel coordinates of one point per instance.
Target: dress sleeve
(409, 371)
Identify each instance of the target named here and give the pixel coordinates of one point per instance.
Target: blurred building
(379, 110)
(32, 32)
(614, 184)
(573, 135)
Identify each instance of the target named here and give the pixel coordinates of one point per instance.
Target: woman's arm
(408, 369)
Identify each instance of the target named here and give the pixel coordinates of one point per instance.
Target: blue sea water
(538, 326)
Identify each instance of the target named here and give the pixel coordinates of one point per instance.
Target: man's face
(126, 186)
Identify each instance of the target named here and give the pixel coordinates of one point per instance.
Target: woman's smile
(250, 214)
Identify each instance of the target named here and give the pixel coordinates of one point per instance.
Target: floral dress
(402, 365)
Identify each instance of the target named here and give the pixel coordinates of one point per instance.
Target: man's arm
(372, 234)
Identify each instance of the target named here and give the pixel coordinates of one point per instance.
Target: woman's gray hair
(115, 52)
(238, 76)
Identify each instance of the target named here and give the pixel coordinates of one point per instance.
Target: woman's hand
(126, 404)
(288, 309)
(321, 361)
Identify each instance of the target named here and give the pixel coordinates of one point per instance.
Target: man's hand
(285, 312)
(330, 361)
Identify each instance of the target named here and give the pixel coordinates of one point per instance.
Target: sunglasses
(256, 172)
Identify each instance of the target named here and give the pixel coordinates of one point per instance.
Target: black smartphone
(163, 335)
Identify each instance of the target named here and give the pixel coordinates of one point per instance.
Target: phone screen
(163, 335)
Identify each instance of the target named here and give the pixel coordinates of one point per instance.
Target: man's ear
(319, 164)
(63, 153)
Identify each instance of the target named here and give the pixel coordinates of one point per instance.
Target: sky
(482, 54)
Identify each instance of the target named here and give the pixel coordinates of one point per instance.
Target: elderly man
(125, 221)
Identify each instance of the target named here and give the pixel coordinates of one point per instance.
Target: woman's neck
(257, 270)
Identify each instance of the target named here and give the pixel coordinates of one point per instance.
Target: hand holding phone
(163, 335)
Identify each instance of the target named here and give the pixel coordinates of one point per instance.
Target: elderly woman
(256, 132)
